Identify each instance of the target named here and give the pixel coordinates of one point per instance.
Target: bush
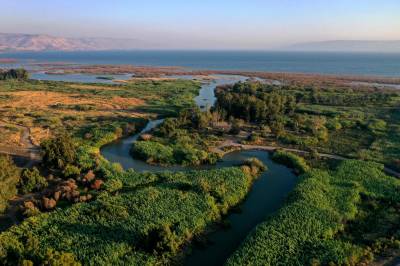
(377, 125)
(334, 124)
(254, 162)
(71, 171)
(153, 152)
(253, 138)
(9, 178)
(54, 258)
(236, 126)
(31, 181)
(59, 151)
(291, 160)
(113, 185)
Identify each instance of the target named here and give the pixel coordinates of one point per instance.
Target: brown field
(24, 107)
(36, 100)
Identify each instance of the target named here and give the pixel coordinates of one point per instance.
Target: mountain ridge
(19, 42)
(347, 46)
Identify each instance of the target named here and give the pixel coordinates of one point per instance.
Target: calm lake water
(306, 62)
(83, 78)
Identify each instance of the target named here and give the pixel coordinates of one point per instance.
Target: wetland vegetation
(77, 208)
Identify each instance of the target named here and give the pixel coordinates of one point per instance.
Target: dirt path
(234, 143)
(30, 152)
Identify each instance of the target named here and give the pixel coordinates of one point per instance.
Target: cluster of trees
(9, 178)
(13, 181)
(254, 102)
(58, 153)
(178, 141)
(19, 73)
(346, 99)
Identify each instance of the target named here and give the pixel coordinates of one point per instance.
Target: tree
(31, 180)
(9, 178)
(19, 73)
(376, 125)
(59, 151)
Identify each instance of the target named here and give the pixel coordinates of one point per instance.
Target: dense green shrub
(113, 185)
(32, 181)
(153, 152)
(59, 151)
(377, 125)
(71, 171)
(334, 124)
(182, 154)
(291, 160)
(9, 178)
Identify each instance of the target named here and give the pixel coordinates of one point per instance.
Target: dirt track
(30, 151)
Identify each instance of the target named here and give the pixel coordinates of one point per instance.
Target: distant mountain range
(37, 42)
(347, 46)
(15, 42)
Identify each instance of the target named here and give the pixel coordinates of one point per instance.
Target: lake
(380, 64)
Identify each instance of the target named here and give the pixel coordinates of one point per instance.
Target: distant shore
(162, 73)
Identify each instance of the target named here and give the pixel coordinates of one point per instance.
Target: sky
(206, 24)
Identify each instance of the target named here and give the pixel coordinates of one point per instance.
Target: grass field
(44, 107)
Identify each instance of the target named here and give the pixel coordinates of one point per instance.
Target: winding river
(266, 196)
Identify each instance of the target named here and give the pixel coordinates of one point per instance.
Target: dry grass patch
(44, 99)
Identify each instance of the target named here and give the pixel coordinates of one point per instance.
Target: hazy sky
(243, 24)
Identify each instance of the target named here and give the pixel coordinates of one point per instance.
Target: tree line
(18, 73)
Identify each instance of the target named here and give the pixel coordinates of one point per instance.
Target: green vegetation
(164, 98)
(148, 222)
(330, 219)
(31, 181)
(291, 160)
(59, 152)
(20, 74)
(9, 178)
(153, 152)
(182, 140)
(254, 103)
(360, 123)
(95, 213)
(92, 112)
